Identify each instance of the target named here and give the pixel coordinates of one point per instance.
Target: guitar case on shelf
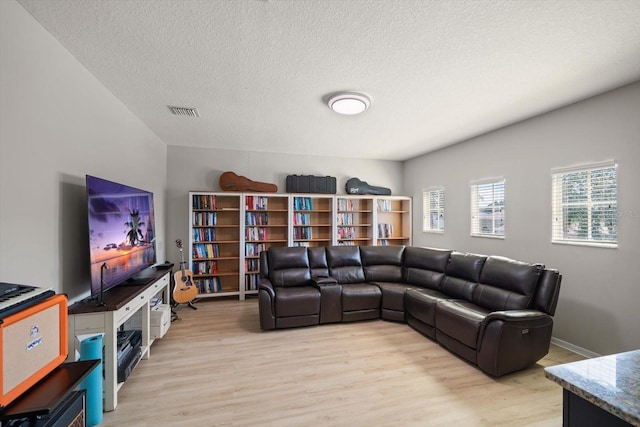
(230, 181)
(356, 186)
(311, 184)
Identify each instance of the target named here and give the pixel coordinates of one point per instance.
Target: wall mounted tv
(121, 234)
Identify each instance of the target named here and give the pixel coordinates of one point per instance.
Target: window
(487, 208)
(433, 210)
(584, 205)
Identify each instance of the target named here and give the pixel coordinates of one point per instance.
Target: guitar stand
(174, 313)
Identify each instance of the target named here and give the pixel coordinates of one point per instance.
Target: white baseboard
(574, 348)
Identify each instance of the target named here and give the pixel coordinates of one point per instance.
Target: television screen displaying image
(121, 234)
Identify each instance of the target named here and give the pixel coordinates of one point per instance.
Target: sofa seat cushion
(461, 320)
(360, 296)
(421, 304)
(393, 294)
(297, 301)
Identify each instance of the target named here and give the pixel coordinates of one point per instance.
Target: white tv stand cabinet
(121, 303)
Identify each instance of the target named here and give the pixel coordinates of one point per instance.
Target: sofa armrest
(320, 281)
(513, 340)
(266, 285)
(330, 298)
(517, 316)
(266, 304)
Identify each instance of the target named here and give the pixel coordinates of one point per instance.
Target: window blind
(487, 207)
(433, 210)
(584, 204)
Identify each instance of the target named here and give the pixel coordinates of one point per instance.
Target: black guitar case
(355, 186)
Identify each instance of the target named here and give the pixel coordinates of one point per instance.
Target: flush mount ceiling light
(349, 102)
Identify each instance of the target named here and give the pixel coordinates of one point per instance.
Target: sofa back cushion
(318, 261)
(288, 266)
(506, 284)
(425, 266)
(382, 263)
(462, 275)
(345, 264)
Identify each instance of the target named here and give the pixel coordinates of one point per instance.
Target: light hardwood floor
(215, 367)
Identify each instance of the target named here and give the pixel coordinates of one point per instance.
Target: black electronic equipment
(126, 367)
(129, 352)
(117, 258)
(133, 337)
(15, 298)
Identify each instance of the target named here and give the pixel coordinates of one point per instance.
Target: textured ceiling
(438, 72)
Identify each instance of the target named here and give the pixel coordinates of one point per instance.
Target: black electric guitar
(184, 291)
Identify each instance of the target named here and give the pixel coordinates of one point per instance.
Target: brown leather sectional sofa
(493, 312)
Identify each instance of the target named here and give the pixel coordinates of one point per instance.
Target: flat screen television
(121, 235)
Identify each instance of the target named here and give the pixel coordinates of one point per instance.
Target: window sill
(433, 231)
(589, 244)
(489, 236)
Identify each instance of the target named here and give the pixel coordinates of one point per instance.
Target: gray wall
(199, 169)
(57, 124)
(598, 307)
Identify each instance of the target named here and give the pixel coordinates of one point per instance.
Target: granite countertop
(609, 382)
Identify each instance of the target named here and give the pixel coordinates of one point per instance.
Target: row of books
(251, 265)
(349, 205)
(302, 244)
(347, 233)
(204, 201)
(205, 250)
(384, 205)
(204, 218)
(255, 233)
(254, 249)
(204, 267)
(256, 218)
(301, 219)
(256, 202)
(302, 203)
(208, 286)
(302, 233)
(385, 230)
(204, 234)
(345, 219)
(251, 282)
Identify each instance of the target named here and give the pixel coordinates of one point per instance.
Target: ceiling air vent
(184, 111)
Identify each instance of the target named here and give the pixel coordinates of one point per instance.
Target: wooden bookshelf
(354, 220)
(312, 220)
(214, 258)
(393, 220)
(266, 224)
